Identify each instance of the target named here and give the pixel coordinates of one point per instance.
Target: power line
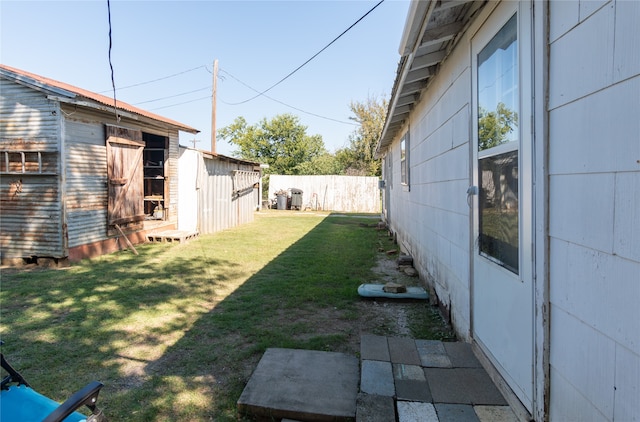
(172, 96)
(155, 80)
(312, 57)
(113, 82)
(185, 102)
(285, 104)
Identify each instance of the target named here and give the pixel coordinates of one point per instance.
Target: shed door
(125, 177)
(502, 255)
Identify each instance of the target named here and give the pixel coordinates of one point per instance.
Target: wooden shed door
(125, 175)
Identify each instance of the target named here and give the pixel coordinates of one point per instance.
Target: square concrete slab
(432, 354)
(495, 414)
(377, 378)
(416, 412)
(456, 413)
(302, 385)
(462, 386)
(403, 350)
(461, 355)
(374, 348)
(412, 390)
(408, 372)
(372, 408)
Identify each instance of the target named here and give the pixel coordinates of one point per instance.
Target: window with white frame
(404, 159)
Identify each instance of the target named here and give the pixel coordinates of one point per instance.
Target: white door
(502, 255)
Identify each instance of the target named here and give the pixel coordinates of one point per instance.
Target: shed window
(28, 162)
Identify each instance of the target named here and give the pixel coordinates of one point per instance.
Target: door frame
(538, 179)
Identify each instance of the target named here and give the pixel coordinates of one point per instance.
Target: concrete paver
(456, 413)
(377, 378)
(403, 350)
(374, 408)
(374, 348)
(462, 385)
(409, 411)
(413, 380)
(495, 414)
(461, 355)
(433, 354)
(302, 385)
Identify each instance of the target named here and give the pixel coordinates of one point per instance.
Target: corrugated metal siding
(86, 181)
(30, 218)
(332, 193)
(27, 113)
(31, 214)
(218, 207)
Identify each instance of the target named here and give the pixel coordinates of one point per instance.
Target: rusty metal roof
(78, 95)
(431, 30)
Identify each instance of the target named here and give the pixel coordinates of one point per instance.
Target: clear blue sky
(258, 42)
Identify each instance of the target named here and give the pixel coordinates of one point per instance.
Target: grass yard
(175, 333)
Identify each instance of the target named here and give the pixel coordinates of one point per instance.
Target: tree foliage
(284, 145)
(281, 142)
(495, 126)
(360, 156)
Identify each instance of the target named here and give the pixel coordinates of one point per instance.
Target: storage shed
(216, 192)
(77, 175)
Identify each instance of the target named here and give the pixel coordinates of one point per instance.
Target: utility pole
(213, 106)
(194, 142)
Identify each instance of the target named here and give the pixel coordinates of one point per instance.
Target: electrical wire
(156, 80)
(172, 96)
(113, 81)
(312, 57)
(185, 102)
(285, 104)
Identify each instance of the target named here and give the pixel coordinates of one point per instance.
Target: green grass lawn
(175, 332)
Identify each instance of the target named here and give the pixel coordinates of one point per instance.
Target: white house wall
(594, 210)
(431, 219)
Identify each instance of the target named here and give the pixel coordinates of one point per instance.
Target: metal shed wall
(332, 193)
(210, 191)
(86, 173)
(31, 217)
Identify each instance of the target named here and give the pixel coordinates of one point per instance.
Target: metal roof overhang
(430, 33)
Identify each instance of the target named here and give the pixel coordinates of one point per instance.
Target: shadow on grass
(175, 335)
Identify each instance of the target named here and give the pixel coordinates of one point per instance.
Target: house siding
(587, 203)
(31, 212)
(594, 210)
(431, 217)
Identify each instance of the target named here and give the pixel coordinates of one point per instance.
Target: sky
(162, 54)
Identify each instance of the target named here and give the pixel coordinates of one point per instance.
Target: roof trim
(431, 30)
(84, 98)
(210, 154)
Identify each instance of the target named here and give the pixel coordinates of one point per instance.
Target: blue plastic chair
(20, 402)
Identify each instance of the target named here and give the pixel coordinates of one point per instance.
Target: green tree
(359, 158)
(495, 126)
(281, 142)
(326, 163)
